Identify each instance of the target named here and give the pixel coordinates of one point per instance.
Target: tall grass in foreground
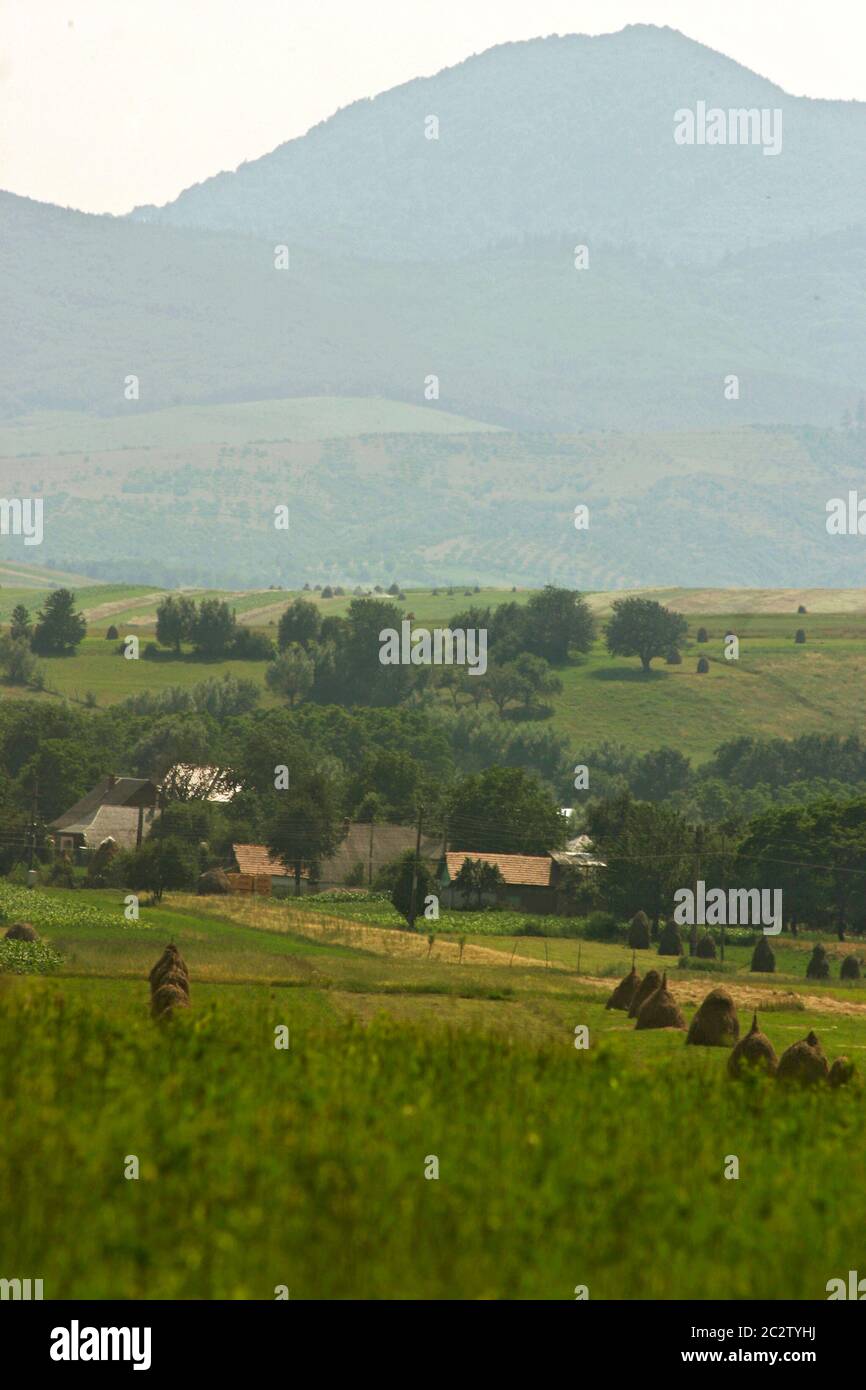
(261, 1167)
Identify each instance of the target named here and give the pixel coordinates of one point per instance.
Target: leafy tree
(300, 623)
(17, 662)
(645, 851)
(59, 627)
(158, 864)
(175, 619)
(308, 824)
(504, 810)
(557, 622)
(292, 674)
(467, 880)
(20, 627)
(213, 627)
(641, 627)
(400, 876)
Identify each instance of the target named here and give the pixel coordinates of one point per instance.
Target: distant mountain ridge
(548, 137)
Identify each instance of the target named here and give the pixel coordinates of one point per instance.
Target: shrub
(639, 931)
(603, 926)
(60, 875)
(249, 645)
(356, 877)
(670, 941)
(674, 658)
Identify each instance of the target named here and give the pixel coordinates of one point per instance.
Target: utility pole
(415, 863)
(33, 813)
(699, 842)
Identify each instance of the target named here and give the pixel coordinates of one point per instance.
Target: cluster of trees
(745, 777)
(212, 629)
(58, 629)
(816, 855)
(335, 660)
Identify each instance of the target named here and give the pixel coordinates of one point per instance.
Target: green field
(305, 1167)
(775, 689)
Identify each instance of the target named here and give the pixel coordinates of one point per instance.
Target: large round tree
(641, 627)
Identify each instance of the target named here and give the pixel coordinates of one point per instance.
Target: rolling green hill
(776, 689)
(146, 502)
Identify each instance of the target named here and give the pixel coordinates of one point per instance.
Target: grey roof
(126, 792)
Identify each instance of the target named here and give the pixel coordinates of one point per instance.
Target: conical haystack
(763, 960)
(841, 1072)
(819, 966)
(661, 1010)
(648, 985)
(670, 941)
(639, 931)
(754, 1050)
(706, 947)
(169, 983)
(166, 999)
(804, 1061)
(171, 962)
(715, 1022)
(625, 991)
(850, 968)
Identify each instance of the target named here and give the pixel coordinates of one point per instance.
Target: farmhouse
(123, 808)
(364, 850)
(530, 881)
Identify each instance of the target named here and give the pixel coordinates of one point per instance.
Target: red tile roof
(524, 869)
(255, 859)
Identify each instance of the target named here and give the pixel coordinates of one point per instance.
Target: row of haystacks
(670, 943)
(169, 984)
(715, 1024)
(817, 968)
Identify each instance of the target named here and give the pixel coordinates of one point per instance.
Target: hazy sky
(109, 103)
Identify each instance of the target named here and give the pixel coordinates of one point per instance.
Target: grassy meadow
(776, 688)
(305, 1167)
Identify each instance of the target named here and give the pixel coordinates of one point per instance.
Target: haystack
(661, 1010)
(169, 983)
(804, 1061)
(170, 962)
(166, 999)
(754, 1050)
(648, 985)
(639, 931)
(213, 881)
(706, 947)
(625, 991)
(763, 960)
(819, 966)
(715, 1023)
(850, 969)
(22, 931)
(841, 1072)
(670, 941)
